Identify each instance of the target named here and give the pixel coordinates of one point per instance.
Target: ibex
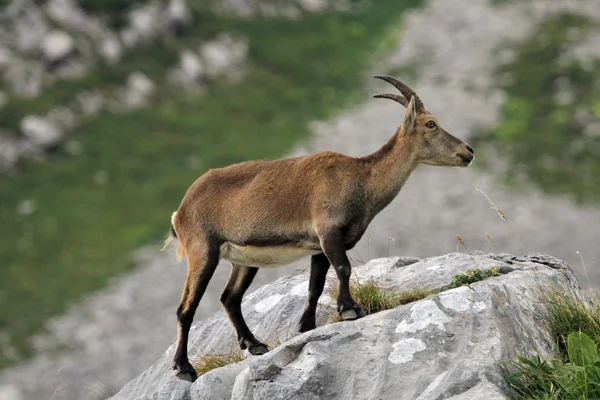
(265, 214)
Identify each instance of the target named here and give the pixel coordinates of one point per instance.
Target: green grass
(541, 140)
(566, 314)
(473, 275)
(208, 362)
(575, 372)
(84, 230)
(374, 297)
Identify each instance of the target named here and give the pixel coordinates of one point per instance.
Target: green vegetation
(95, 208)
(375, 297)
(575, 374)
(208, 362)
(472, 276)
(544, 140)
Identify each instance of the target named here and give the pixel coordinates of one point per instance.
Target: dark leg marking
(319, 265)
(334, 248)
(239, 280)
(200, 270)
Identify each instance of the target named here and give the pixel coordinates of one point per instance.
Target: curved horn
(405, 90)
(400, 99)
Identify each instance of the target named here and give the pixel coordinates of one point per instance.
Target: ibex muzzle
(262, 214)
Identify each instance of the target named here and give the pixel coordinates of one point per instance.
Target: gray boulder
(279, 8)
(56, 46)
(447, 345)
(41, 131)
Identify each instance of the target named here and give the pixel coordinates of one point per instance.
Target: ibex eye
(430, 124)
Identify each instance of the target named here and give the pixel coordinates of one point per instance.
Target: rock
(111, 49)
(178, 13)
(223, 56)
(145, 23)
(210, 385)
(63, 118)
(24, 78)
(174, 390)
(445, 345)
(188, 72)
(278, 8)
(27, 24)
(10, 152)
(56, 46)
(5, 56)
(41, 130)
(10, 392)
(137, 91)
(90, 102)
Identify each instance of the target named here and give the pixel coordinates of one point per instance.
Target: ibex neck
(390, 167)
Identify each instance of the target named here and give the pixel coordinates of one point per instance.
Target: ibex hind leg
(202, 261)
(240, 279)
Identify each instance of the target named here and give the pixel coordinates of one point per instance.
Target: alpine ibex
(264, 214)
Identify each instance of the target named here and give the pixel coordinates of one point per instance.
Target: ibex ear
(411, 115)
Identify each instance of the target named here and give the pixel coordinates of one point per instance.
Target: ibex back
(263, 214)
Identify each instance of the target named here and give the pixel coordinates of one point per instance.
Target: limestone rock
(42, 131)
(224, 56)
(137, 90)
(56, 46)
(446, 345)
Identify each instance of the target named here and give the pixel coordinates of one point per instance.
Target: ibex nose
(470, 149)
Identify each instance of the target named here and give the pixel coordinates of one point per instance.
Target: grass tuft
(575, 373)
(473, 275)
(375, 297)
(566, 314)
(208, 362)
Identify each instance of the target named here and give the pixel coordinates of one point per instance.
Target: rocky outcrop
(63, 42)
(447, 345)
(281, 8)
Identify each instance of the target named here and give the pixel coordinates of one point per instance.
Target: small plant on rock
(375, 297)
(473, 275)
(208, 362)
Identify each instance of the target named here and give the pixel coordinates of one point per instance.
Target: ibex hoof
(258, 349)
(352, 313)
(186, 374)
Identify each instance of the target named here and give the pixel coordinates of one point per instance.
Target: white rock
(57, 45)
(178, 12)
(27, 24)
(437, 352)
(90, 102)
(41, 130)
(111, 49)
(223, 55)
(137, 90)
(24, 78)
(10, 392)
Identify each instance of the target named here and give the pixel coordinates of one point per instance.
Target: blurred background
(110, 109)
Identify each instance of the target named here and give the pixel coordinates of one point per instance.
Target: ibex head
(433, 145)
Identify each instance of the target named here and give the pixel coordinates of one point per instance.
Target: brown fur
(271, 211)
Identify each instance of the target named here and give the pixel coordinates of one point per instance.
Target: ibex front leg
(319, 265)
(332, 243)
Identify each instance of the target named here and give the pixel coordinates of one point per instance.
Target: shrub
(472, 276)
(576, 378)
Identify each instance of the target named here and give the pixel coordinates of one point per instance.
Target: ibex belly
(263, 257)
